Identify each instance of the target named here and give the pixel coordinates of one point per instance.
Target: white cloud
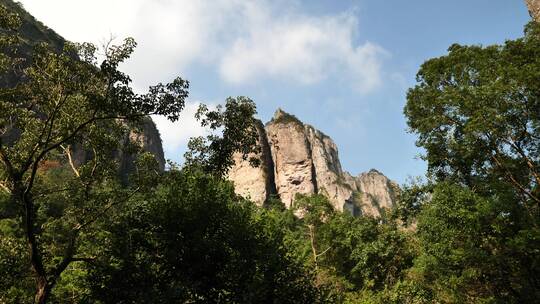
(176, 134)
(246, 41)
(304, 49)
(92, 21)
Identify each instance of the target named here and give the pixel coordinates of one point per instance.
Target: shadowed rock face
(534, 9)
(147, 137)
(301, 159)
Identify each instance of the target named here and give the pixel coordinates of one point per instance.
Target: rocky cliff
(255, 183)
(534, 9)
(146, 136)
(297, 158)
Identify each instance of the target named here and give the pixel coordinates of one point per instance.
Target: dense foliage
(191, 239)
(477, 114)
(63, 124)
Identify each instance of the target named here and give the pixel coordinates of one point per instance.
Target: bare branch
(67, 150)
(322, 253)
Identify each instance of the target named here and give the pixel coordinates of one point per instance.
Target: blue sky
(342, 66)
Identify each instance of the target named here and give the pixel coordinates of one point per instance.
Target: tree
(62, 100)
(192, 239)
(315, 210)
(233, 131)
(476, 249)
(476, 112)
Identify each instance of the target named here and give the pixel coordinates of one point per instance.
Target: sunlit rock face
(534, 9)
(376, 192)
(291, 152)
(299, 159)
(254, 183)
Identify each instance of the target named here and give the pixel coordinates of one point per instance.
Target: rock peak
(299, 159)
(374, 171)
(534, 9)
(283, 117)
(279, 113)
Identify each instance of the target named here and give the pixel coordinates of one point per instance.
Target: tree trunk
(43, 286)
(313, 247)
(43, 291)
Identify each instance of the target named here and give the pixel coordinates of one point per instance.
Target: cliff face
(147, 137)
(534, 9)
(291, 152)
(304, 160)
(375, 192)
(255, 183)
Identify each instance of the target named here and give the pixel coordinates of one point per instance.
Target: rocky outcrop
(375, 192)
(291, 152)
(146, 136)
(534, 9)
(255, 183)
(330, 178)
(299, 159)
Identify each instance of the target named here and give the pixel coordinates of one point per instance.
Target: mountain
(297, 158)
(33, 32)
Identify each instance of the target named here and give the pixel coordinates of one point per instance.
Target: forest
(78, 226)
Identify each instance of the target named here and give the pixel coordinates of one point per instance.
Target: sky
(342, 66)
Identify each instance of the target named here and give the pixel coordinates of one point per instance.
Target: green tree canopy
(476, 111)
(194, 240)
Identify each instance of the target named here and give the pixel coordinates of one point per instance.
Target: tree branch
(7, 163)
(80, 226)
(50, 120)
(67, 150)
(529, 162)
(5, 188)
(514, 181)
(322, 253)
